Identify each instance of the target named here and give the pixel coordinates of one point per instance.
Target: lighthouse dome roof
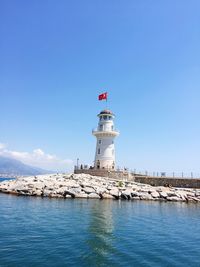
(106, 111)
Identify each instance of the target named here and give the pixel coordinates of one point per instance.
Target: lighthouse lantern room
(105, 135)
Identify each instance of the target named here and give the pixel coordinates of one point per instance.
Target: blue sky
(57, 56)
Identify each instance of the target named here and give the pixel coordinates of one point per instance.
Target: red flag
(103, 96)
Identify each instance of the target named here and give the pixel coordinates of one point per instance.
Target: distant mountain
(9, 166)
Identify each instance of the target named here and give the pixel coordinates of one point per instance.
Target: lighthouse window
(99, 151)
(99, 142)
(105, 117)
(101, 127)
(110, 117)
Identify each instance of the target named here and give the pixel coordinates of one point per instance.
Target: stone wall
(154, 181)
(105, 173)
(164, 181)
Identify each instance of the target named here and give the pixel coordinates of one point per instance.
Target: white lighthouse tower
(105, 134)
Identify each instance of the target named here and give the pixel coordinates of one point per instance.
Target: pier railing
(169, 179)
(154, 174)
(176, 175)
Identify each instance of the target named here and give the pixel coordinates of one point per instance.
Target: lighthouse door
(113, 165)
(98, 164)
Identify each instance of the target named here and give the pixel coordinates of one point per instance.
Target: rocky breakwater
(87, 186)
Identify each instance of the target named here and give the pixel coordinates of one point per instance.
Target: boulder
(127, 192)
(17, 187)
(155, 194)
(107, 196)
(191, 194)
(4, 190)
(135, 187)
(193, 199)
(38, 186)
(124, 196)
(109, 187)
(54, 195)
(135, 198)
(31, 185)
(71, 184)
(114, 192)
(161, 189)
(181, 194)
(23, 191)
(62, 190)
(135, 194)
(36, 193)
(171, 193)
(145, 196)
(88, 190)
(93, 195)
(85, 184)
(70, 192)
(144, 190)
(46, 193)
(68, 196)
(163, 194)
(81, 195)
(100, 190)
(197, 194)
(174, 198)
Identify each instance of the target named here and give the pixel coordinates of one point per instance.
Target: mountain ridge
(16, 167)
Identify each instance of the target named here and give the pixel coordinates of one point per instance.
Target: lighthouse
(105, 135)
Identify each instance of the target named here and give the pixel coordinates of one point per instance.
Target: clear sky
(57, 56)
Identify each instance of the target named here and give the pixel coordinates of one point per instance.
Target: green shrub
(120, 184)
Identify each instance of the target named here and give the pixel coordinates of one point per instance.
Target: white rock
(61, 190)
(171, 194)
(145, 196)
(135, 198)
(193, 198)
(88, 190)
(93, 195)
(135, 194)
(127, 192)
(155, 194)
(70, 192)
(191, 194)
(181, 194)
(144, 190)
(107, 196)
(110, 187)
(81, 195)
(100, 190)
(174, 198)
(114, 192)
(46, 192)
(135, 187)
(163, 194)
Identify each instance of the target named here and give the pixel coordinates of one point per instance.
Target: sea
(38, 232)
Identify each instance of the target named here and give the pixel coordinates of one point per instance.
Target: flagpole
(106, 100)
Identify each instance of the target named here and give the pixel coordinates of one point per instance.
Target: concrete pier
(154, 181)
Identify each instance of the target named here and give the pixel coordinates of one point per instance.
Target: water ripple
(56, 232)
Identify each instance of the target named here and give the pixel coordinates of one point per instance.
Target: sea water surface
(74, 232)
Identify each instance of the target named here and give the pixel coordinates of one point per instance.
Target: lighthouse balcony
(112, 133)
